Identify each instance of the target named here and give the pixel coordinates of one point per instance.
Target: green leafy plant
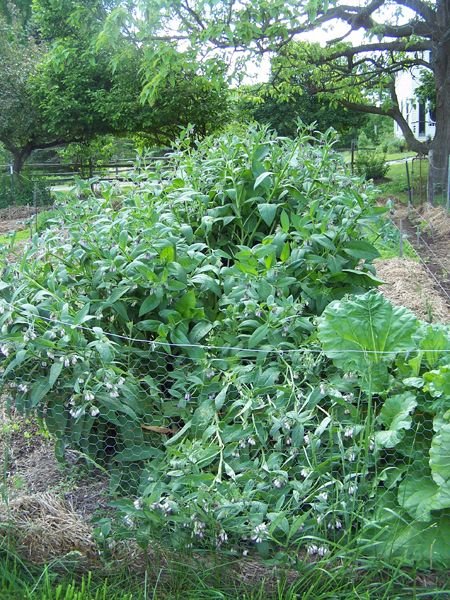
(371, 165)
(170, 336)
(22, 190)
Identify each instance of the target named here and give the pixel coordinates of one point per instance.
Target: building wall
(417, 115)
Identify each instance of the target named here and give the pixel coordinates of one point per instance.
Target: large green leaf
(440, 456)
(361, 249)
(419, 495)
(396, 416)
(267, 212)
(366, 332)
(392, 534)
(438, 383)
(435, 344)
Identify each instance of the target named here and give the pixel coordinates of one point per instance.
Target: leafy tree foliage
(16, 9)
(59, 87)
(20, 120)
(399, 35)
(283, 113)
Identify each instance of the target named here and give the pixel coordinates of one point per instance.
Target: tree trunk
(438, 175)
(19, 158)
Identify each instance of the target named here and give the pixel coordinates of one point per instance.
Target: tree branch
(396, 46)
(421, 8)
(361, 17)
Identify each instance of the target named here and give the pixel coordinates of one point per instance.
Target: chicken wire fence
(239, 449)
(423, 189)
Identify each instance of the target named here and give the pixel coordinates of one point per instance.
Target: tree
(81, 95)
(21, 130)
(58, 86)
(399, 35)
(12, 10)
(282, 106)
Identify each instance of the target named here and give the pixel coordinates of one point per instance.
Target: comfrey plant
(191, 340)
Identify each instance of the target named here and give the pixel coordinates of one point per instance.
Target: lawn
(397, 181)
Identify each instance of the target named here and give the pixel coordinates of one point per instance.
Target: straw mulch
(44, 528)
(408, 284)
(437, 219)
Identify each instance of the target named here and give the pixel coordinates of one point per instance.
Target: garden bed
(409, 284)
(428, 230)
(15, 218)
(180, 350)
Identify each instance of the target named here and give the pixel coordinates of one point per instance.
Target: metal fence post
(409, 183)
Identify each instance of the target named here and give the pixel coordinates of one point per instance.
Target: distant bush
(391, 145)
(18, 191)
(370, 164)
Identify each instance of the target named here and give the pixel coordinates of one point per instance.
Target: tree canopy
(282, 111)
(20, 121)
(59, 85)
(399, 35)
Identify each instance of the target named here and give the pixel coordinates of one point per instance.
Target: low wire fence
(274, 450)
(37, 183)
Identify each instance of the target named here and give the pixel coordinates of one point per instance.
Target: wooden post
(448, 185)
(352, 149)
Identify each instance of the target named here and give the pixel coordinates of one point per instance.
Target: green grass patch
(399, 155)
(396, 183)
(181, 580)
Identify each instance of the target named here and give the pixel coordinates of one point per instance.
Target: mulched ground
(428, 230)
(29, 466)
(16, 218)
(409, 284)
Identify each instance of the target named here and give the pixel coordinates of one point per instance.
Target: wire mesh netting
(244, 448)
(208, 348)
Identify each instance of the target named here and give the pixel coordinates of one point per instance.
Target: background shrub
(370, 164)
(20, 190)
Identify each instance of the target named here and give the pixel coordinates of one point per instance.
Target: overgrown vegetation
(22, 190)
(370, 164)
(196, 338)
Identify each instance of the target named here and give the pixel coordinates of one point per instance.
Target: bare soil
(16, 218)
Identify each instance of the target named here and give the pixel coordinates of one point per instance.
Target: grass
(397, 181)
(349, 580)
(388, 157)
(399, 155)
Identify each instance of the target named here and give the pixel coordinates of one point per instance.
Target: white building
(416, 113)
